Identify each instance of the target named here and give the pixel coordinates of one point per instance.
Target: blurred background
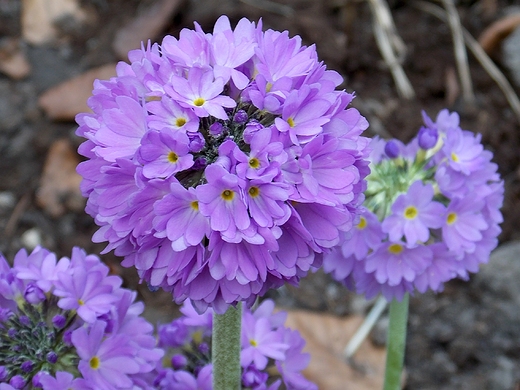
(400, 57)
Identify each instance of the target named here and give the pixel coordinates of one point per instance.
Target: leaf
(69, 98)
(326, 337)
(59, 185)
(494, 34)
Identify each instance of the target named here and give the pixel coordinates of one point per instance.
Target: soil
(464, 338)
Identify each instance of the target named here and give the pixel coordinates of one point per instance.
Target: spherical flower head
(44, 344)
(438, 209)
(215, 145)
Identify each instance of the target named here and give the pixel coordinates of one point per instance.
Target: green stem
(396, 343)
(225, 349)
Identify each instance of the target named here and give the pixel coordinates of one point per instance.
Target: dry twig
(461, 56)
(480, 55)
(391, 46)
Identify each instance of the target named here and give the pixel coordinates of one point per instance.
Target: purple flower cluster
(432, 213)
(68, 324)
(271, 354)
(220, 164)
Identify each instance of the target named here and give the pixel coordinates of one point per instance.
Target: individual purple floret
(222, 164)
(431, 217)
(271, 354)
(86, 331)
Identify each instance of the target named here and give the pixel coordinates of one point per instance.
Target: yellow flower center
(454, 157)
(195, 205)
(179, 122)
(254, 163)
(199, 102)
(254, 192)
(80, 302)
(452, 217)
(410, 212)
(153, 98)
(395, 249)
(291, 122)
(268, 87)
(362, 223)
(253, 343)
(94, 363)
(227, 195)
(173, 157)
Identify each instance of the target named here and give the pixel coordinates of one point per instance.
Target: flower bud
(52, 357)
(240, 117)
(59, 321)
(427, 138)
(17, 382)
(392, 149)
(179, 362)
(27, 366)
(33, 294)
(216, 129)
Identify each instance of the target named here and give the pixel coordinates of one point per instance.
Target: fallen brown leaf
(495, 33)
(40, 16)
(326, 337)
(12, 60)
(147, 25)
(59, 185)
(65, 100)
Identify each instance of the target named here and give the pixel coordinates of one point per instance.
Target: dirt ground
(446, 348)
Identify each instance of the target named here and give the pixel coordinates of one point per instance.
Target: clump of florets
(221, 165)
(432, 213)
(67, 323)
(271, 354)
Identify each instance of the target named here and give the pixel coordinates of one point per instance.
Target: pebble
(31, 238)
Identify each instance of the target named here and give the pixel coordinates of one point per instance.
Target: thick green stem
(225, 349)
(396, 342)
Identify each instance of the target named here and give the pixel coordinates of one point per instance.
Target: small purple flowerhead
(220, 144)
(42, 337)
(437, 208)
(270, 353)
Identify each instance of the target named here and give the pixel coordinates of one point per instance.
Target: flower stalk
(396, 343)
(226, 349)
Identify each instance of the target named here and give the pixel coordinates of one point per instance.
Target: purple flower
(260, 342)
(230, 142)
(413, 214)
(201, 92)
(168, 114)
(393, 262)
(63, 381)
(105, 362)
(179, 218)
(85, 292)
(463, 224)
(40, 266)
(164, 154)
(222, 201)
